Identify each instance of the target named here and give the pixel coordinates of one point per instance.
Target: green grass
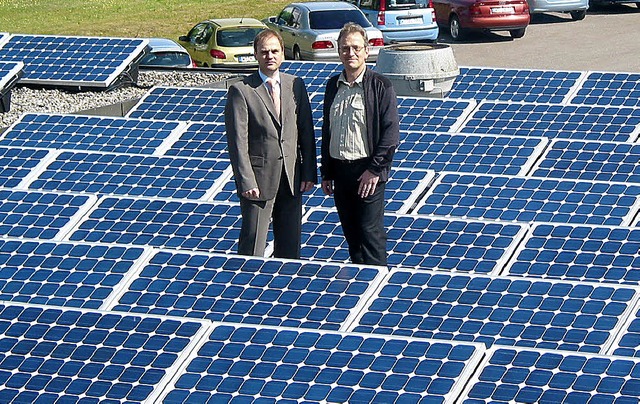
(124, 18)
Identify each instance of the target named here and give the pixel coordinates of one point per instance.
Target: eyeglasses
(348, 49)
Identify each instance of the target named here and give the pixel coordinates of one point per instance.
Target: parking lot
(607, 39)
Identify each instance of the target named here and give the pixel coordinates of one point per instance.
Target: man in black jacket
(360, 133)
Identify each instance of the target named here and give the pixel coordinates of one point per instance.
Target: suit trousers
(362, 219)
(285, 210)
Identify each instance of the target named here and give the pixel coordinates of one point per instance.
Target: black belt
(349, 162)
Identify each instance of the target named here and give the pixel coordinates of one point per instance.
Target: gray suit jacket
(258, 141)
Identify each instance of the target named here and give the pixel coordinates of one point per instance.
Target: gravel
(24, 100)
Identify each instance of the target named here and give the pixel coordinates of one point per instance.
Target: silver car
(576, 8)
(310, 30)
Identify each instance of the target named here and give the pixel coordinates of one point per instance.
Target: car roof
(232, 22)
(165, 44)
(325, 5)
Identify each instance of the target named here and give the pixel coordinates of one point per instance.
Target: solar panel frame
(514, 374)
(608, 88)
(319, 366)
(475, 320)
(92, 133)
(10, 72)
(507, 198)
(196, 104)
(54, 51)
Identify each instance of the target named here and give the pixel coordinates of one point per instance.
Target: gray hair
(353, 28)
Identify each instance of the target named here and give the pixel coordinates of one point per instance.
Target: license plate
(408, 21)
(502, 10)
(246, 59)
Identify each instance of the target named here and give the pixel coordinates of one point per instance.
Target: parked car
(223, 41)
(310, 30)
(401, 20)
(596, 3)
(462, 16)
(576, 8)
(164, 52)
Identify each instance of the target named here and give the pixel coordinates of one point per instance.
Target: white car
(165, 53)
(310, 30)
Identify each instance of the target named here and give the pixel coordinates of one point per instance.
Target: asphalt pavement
(608, 39)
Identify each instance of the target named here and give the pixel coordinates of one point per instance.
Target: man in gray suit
(272, 150)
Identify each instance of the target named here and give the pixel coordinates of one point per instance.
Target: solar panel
(10, 72)
(599, 161)
(61, 355)
(93, 133)
(529, 199)
(209, 227)
(585, 253)
(497, 84)
(433, 114)
(609, 88)
(182, 104)
(314, 74)
(498, 310)
(133, 175)
(63, 274)
(72, 60)
(481, 154)
(16, 164)
(509, 375)
(40, 215)
(250, 290)
(247, 364)
(555, 121)
(627, 342)
(201, 140)
(420, 242)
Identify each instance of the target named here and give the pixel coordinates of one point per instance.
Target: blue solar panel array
(133, 175)
(491, 84)
(206, 140)
(586, 122)
(10, 72)
(17, 163)
(599, 161)
(609, 88)
(182, 104)
(314, 74)
(72, 60)
(433, 114)
(499, 310)
(528, 199)
(92, 133)
(628, 341)
(246, 364)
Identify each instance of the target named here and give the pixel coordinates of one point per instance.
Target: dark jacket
(383, 126)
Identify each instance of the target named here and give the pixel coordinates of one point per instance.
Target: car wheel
(455, 29)
(296, 53)
(578, 15)
(517, 33)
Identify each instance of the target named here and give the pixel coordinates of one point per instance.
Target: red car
(462, 16)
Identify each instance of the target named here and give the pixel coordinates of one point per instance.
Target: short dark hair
(353, 28)
(264, 35)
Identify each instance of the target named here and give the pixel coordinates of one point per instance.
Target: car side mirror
(183, 38)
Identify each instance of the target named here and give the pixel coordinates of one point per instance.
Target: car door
(285, 23)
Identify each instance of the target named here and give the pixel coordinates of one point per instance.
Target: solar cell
(609, 88)
(62, 355)
(499, 310)
(182, 104)
(95, 62)
(16, 164)
(509, 375)
(210, 227)
(498, 84)
(133, 175)
(530, 199)
(93, 133)
(591, 253)
(249, 290)
(433, 114)
(63, 274)
(314, 74)
(481, 154)
(420, 242)
(606, 123)
(246, 364)
(201, 140)
(599, 161)
(627, 342)
(40, 215)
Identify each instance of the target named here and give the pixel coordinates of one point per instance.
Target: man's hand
(327, 187)
(306, 186)
(253, 193)
(368, 184)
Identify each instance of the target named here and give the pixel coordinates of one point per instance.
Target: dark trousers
(362, 218)
(285, 210)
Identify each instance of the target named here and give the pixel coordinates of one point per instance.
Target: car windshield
(166, 59)
(335, 19)
(237, 36)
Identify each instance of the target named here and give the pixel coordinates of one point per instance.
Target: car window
(335, 19)
(200, 34)
(166, 59)
(286, 16)
(237, 36)
(296, 14)
(370, 4)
